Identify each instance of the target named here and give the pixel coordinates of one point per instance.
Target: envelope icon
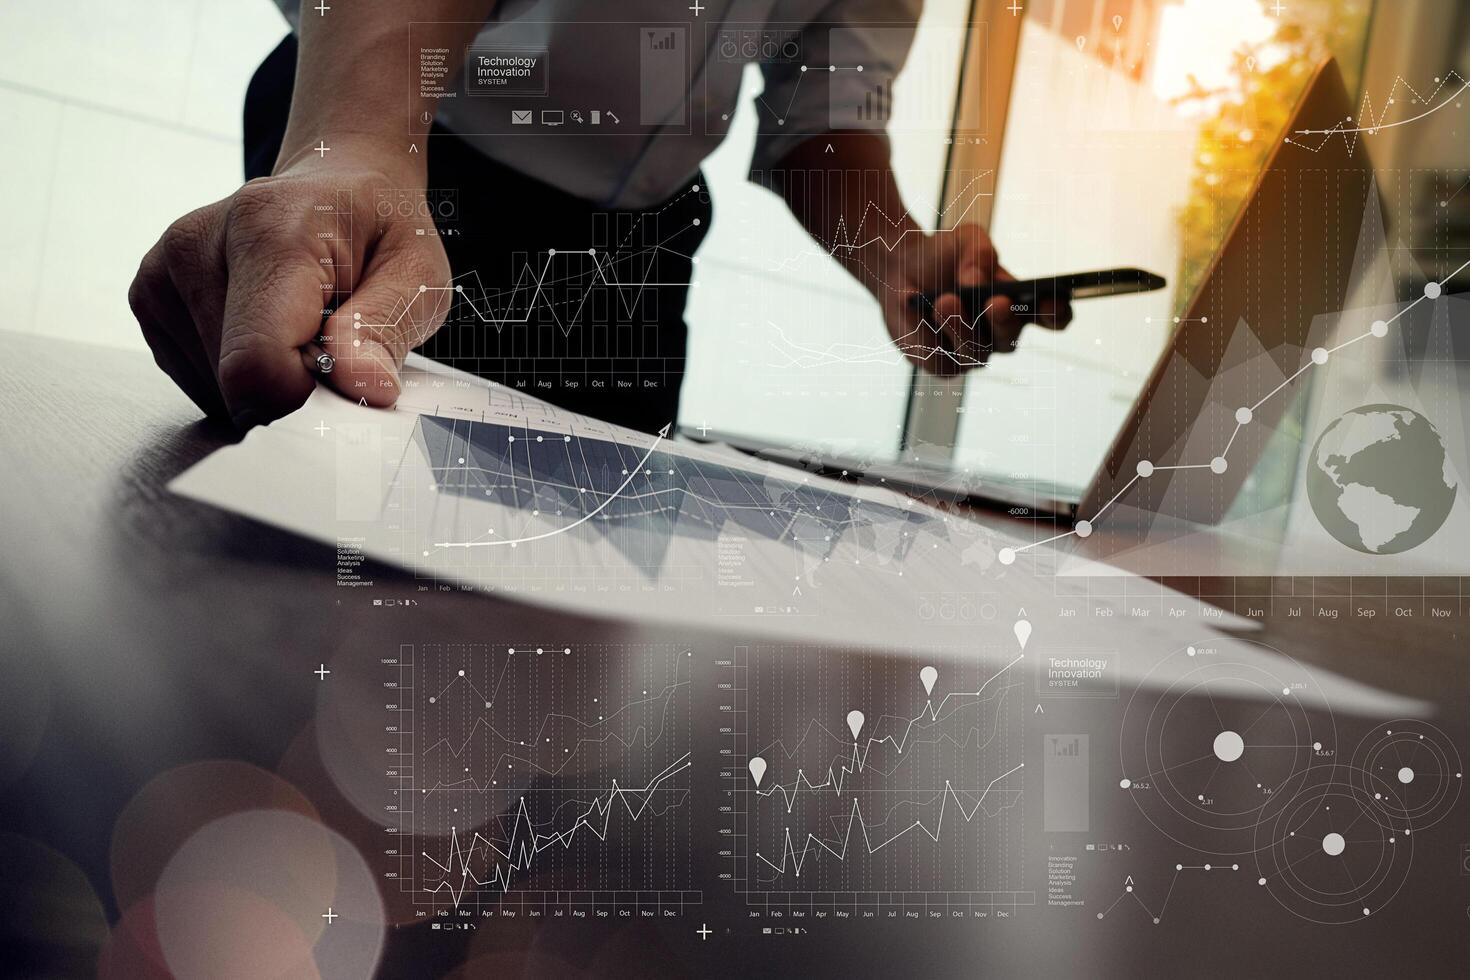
(521, 117)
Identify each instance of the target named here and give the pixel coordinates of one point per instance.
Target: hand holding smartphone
(1026, 295)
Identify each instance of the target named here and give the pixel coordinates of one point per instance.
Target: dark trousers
(574, 328)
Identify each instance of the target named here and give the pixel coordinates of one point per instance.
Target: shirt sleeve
(842, 77)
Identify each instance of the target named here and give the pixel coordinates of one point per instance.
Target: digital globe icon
(1379, 479)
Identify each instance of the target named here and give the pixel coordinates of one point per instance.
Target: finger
(911, 327)
(272, 307)
(165, 323)
(1004, 304)
(155, 291)
(977, 259)
(962, 351)
(399, 303)
(193, 251)
(1005, 326)
(171, 357)
(1054, 314)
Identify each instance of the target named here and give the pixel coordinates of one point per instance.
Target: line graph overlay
(864, 785)
(1371, 120)
(547, 778)
(1319, 356)
(512, 502)
(597, 509)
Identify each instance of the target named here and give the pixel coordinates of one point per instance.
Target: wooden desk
(144, 632)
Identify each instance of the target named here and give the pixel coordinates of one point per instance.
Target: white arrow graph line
(1084, 528)
(518, 854)
(1375, 128)
(931, 711)
(501, 542)
(788, 848)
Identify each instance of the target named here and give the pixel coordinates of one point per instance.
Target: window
(784, 345)
(1125, 116)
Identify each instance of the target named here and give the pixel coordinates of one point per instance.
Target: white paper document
(474, 485)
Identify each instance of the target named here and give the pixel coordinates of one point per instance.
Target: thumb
(975, 255)
(400, 301)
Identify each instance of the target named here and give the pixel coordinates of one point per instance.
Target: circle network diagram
(1229, 748)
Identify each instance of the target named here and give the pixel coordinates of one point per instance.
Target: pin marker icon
(1117, 22)
(855, 722)
(1023, 632)
(1081, 42)
(928, 675)
(1250, 64)
(757, 770)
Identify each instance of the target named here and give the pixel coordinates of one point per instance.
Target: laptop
(1284, 260)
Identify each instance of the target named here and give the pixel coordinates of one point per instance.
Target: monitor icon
(552, 117)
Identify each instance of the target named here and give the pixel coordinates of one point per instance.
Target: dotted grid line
(1243, 416)
(882, 861)
(500, 886)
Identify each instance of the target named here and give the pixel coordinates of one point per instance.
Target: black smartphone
(1026, 295)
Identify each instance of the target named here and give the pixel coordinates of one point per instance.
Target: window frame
(987, 72)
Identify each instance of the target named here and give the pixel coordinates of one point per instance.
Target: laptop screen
(1107, 163)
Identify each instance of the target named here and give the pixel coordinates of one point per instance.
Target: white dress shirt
(670, 82)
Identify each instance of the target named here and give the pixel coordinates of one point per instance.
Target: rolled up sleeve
(841, 38)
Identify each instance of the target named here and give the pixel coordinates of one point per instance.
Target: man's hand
(899, 263)
(232, 291)
(942, 337)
